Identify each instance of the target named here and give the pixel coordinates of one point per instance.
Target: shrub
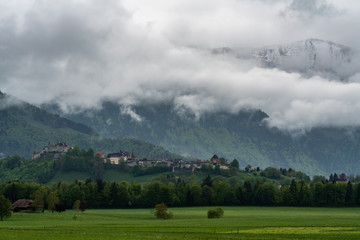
(83, 206)
(215, 213)
(161, 212)
(60, 208)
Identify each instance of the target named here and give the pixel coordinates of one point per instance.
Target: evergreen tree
(234, 164)
(349, 194)
(293, 193)
(206, 195)
(248, 192)
(207, 181)
(239, 194)
(5, 207)
(357, 197)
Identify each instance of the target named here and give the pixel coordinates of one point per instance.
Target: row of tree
(104, 194)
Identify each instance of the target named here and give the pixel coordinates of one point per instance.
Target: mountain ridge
(309, 57)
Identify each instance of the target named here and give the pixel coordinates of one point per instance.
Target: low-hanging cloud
(81, 53)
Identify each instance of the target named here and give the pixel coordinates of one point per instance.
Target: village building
(99, 155)
(53, 151)
(117, 158)
(175, 164)
(215, 160)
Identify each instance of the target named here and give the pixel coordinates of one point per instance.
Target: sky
(80, 53)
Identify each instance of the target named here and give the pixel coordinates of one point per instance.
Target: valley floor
(188, 223)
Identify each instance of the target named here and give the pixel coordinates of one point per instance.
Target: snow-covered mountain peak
(309, 57)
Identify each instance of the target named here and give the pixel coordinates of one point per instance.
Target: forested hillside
(25, 128)
(242, 136)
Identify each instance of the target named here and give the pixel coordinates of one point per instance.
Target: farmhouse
(22, 205)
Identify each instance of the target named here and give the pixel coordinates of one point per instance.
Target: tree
(206, 195)
(217, 169)
(38, 203)
(247, 168)
(349, 194)
(161, 211)
(342, 177)
(335, 177)
(223, 161)
(207, 181)
(60, 208)
(52, 200)
(248, 192)
(264, 194)
(99, 167)
(304, 195)
(270, 172)
(234, 164)
(5, 207)
(83, 206)
(293, 201)
(319, 178)
(76, 206)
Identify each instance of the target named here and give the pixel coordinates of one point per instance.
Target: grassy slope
(188, 223)
(117, 176)
(110, 175)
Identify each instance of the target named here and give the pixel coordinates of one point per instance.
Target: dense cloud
(313, 8)
(81, 53)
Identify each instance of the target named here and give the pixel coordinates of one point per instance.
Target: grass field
(188, 223)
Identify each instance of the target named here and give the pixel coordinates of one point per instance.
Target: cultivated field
(188, 223)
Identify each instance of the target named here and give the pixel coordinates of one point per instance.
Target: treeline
(175, 192)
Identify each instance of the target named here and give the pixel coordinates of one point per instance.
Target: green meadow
(188, 223)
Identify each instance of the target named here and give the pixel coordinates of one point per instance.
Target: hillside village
(59, 149)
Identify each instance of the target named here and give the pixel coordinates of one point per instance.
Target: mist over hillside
(243, 135)
(25, 128)
(295, 61)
